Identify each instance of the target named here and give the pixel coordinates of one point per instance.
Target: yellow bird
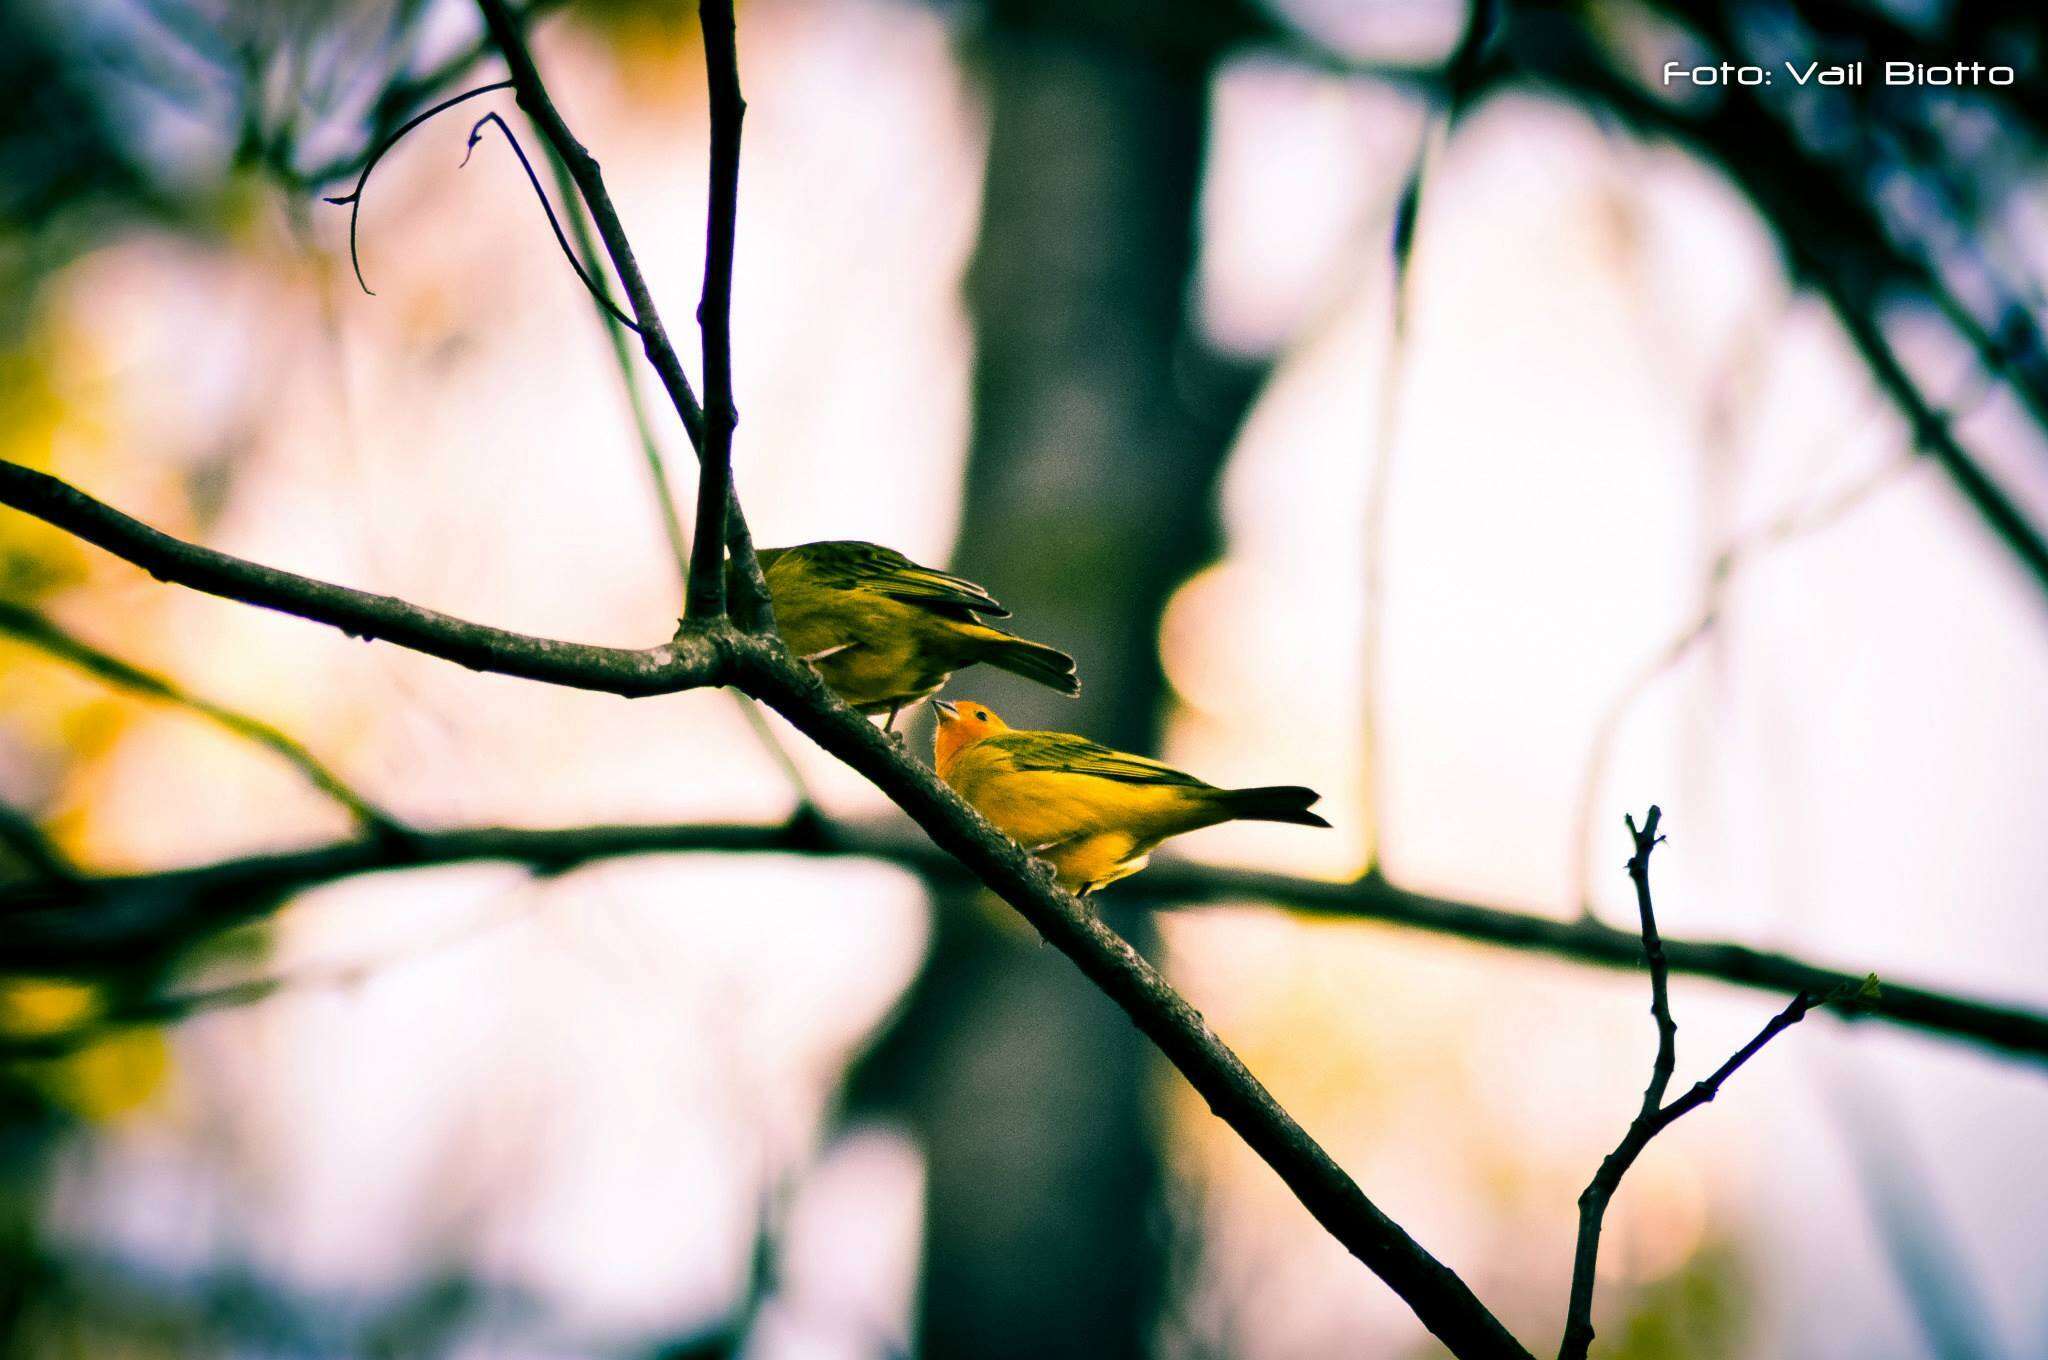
(885, 632)
(1094, 814)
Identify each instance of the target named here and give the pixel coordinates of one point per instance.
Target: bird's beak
(947, 712)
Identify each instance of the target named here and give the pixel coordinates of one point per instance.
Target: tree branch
(714, 311)
(98, 922)
(508, 36)
(1655, 1115)
(1436, 1295)
(687, 662)
(1646, 839)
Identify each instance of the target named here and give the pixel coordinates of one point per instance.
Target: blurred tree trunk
(1100, 425)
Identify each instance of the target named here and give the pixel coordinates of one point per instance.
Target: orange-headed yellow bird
(885, 632)
(1094, 814)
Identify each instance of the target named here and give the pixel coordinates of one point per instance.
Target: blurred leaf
(1702, 1310)
(104, 1080)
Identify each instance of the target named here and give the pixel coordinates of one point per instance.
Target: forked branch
(510, 39)
(1655, 1115)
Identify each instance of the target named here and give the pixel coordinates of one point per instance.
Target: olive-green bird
(884, 632)
(1092, 813)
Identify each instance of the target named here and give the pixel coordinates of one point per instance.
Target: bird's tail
(1275, 803)
(1049, 666)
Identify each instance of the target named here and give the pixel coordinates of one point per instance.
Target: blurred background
(1432, 408)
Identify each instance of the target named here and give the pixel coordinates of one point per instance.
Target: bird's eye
(981, 715)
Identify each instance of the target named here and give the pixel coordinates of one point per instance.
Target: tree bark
(1100, 426)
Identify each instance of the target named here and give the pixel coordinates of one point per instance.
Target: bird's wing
(1069, 754)
(853, 565)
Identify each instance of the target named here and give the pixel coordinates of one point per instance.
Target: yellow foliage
(107, 1078)
(37, 1007)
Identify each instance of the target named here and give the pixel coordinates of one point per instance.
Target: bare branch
(1646, 839)
(714, 312)
(26, 625)
(507, 34)
(1655, 1115)
(95, 921)
(657, 476)
(603, 298)
(689, 661)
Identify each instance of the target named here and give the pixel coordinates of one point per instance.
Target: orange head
(961, 723)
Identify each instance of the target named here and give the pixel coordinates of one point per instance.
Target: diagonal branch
(1599, 1193)
(687, 662)
(27, 626)
(1436, 1295)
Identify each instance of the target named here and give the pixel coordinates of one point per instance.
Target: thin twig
(38, 631)
(1646, 839)
(597, 292)
(1655, 1115)
(353, 200)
